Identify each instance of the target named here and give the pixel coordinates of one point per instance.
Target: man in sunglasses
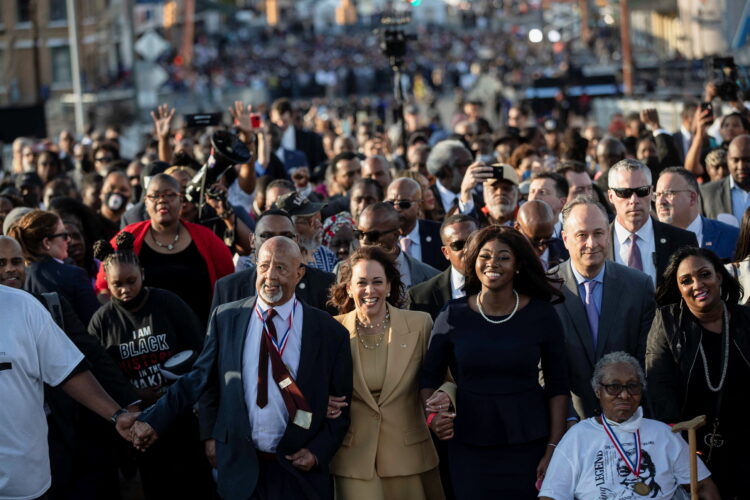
(640, 241)
(312, 288)
(379, 225)
(418, 238)
(536, 221)
(432, 295)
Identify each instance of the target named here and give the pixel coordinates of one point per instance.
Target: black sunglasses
(541, 242)
(626, 193)
(616, 389)
(457, 245)
(402, 204)
(371, 235)
(268, 236)
(65, 236)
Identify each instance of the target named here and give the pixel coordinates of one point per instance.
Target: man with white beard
(307, 220)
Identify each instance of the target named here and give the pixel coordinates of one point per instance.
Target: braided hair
(123, 254)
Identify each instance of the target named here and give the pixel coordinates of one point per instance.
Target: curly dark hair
(123, 254)
(669, 293)
(339, 297)
(531, 279)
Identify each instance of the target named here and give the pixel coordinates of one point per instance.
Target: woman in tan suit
(387, 453)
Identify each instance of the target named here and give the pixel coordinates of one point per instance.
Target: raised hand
(163, 120)
(124, 424)
(303, 459)
(650, 117)
(142, 435)
(335, 405)
(241, 116)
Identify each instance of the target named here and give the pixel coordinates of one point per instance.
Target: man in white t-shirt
(33, 352)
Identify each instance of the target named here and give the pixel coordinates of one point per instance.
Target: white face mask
(630, 425)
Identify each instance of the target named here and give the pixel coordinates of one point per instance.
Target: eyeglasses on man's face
(627, 193)
(372, 236)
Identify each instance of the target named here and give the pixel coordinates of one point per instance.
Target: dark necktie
(262, 397)
(591, 313)
(634, 259)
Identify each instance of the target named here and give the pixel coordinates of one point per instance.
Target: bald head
(738, 160)
(377, 168)
(12, 266)
(279, 269)
(536, 221)
(405, 194)
(380, 224)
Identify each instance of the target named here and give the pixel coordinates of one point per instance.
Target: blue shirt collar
(599, 278)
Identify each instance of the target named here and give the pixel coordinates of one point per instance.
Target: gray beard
(311, 244)
(270, 299)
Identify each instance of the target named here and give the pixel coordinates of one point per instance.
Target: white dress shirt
(646, 245)
(687, 139)
(448, 197)
(415, 250)
(268, 424)
(457, 283)
(697, 227)
(289, 138)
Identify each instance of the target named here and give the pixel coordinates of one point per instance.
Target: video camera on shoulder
(226, 150)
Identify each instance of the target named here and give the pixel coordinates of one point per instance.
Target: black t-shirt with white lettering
(141, 340)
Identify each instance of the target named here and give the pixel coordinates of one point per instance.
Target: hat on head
(13, 217)
(295, 203)
(509, 173)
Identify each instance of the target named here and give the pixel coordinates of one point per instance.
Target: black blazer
(311, 144)
(136, 213)
(430, 296)
(70, 282)
(557, 253)
(325, 368)
(312, 289)
(429, 240)
(667, 239)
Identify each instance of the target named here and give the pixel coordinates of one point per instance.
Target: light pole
(627, 56)
(75, 65)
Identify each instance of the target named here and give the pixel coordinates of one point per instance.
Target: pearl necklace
(725, 337)
(498, 321)
(169, 246)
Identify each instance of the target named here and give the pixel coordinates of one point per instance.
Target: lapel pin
(709, 243)
(302, 286)
(403, 345)
(428, 239)
(663, 240)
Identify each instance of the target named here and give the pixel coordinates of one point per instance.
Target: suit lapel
(360, 386)
(574, 306)
(238, 330)
(401, 344)
(610, 300)
(726, 196)
(444, 290)
(710, 235)
(309, 349)
(662, 248)
(612, 243)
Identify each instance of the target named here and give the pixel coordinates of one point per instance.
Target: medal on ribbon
(634, 465)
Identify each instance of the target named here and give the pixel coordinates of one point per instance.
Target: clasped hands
(442, 423)
(140, 434)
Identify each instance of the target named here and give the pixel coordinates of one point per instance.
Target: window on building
(23, 11)
(61, 73)
(58, 10)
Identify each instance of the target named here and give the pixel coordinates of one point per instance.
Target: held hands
(442, 423)
(125, 423)
(142, 435)
(335, 405)
(303, 460)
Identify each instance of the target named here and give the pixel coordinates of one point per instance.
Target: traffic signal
(169, 14)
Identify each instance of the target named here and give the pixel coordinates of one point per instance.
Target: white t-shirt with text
(587, 466)
(33, 351)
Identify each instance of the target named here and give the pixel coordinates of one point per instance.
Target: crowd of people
(479, 311)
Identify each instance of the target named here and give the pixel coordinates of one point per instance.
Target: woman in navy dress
(506, 423)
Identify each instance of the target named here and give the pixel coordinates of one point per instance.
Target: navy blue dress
(502, 414)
